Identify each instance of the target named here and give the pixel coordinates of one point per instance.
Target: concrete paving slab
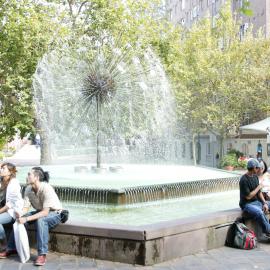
(222, 258)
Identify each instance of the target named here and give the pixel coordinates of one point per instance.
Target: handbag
(64, 215)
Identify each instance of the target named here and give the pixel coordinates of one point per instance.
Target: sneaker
(267, 235)
(41, 260)
(7, 253)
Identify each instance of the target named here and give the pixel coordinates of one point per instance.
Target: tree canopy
(220, 77)
(27, 29)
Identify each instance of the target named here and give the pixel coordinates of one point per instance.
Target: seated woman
(14, 201)
(41, 196)
(264, 179)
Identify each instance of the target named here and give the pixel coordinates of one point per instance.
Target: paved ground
(216, 259)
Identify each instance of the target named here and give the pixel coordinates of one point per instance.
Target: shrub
(235, 152)
(242, 162)
(229, 160)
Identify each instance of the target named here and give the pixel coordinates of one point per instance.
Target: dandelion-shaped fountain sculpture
(100, 84)
(111, 72)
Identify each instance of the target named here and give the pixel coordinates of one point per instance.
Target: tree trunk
(194, 149)
(45, 149)
(221, 152)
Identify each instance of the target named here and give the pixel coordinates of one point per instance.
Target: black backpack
(229, 242)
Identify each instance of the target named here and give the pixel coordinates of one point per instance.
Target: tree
(217, 76)
(26, 32)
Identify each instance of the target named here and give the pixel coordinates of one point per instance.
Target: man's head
(253, 164)
(37, 175)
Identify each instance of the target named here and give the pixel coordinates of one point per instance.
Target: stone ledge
(151, 231)
(190, 224)
(145, 245)
(101, 230)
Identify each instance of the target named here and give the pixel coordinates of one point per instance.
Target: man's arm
(254, 192)
(4, 209)
(265, 204)
(43, 213)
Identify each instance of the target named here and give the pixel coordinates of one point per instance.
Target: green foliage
(241, 160)
(27, 29)
(242, 163)
(218, 77)
(235, 152)
(245, 9)
(229, 160)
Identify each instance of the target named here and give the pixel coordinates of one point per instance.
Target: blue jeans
(5, 218)
(42, 225)
(254, 209)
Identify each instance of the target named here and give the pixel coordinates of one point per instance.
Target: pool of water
(147, 213)
(129, 176)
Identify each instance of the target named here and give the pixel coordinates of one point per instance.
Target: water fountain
(132, 122)
(109, 105)
(108, 102)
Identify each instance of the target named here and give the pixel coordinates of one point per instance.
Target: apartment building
(187, 12)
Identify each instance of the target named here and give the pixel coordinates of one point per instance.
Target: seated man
(251, 197)
(41, 196)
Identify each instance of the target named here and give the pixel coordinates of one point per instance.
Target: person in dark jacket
(251, 198)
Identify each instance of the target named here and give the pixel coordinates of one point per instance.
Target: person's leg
(255, 210)
(11, 240)
(43, 225)
(5, 218)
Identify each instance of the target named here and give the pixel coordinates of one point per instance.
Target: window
(183, 150)
(199, 152)
(229, 147)
(191, 150)
(208, 148)
(201, 5)
(195, 12)
(240, 3)
(243, 30)
(183, 4)
(245, 149)
(170, 14)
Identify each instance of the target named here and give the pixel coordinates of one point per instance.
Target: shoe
(41, 260)
(7, 253)
(267, 235)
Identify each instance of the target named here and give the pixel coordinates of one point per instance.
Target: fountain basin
(163, 197)
(130, 176)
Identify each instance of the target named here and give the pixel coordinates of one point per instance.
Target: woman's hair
(12, 169)
(43, 176)
(265, 166)
(261, 161)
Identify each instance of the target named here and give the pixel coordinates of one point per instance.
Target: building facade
(187, 12)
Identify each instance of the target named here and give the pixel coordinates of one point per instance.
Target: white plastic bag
(21, 241)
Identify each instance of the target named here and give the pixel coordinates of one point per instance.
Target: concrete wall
(144, 245)
(250, 145)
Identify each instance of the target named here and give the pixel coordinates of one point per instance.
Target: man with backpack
(251, 198)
